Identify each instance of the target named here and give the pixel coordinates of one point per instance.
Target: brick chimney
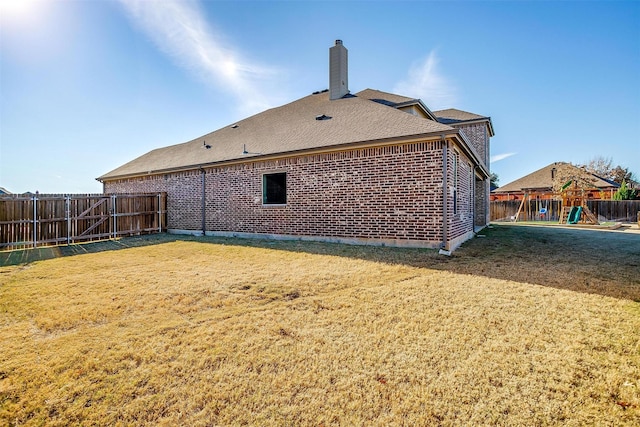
(338, 76)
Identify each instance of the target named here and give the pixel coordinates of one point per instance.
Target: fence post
(68, 215)
(115, 217)
(35, 221)
(159, 212)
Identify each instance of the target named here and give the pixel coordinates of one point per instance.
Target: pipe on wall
(473, 199)
(204, 202)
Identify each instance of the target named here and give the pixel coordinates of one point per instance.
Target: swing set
(539, 211)
(574, 205)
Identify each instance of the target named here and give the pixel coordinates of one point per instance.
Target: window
(274, 188)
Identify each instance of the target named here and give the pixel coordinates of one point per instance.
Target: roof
(541, 179)
(4, 191)
(392, 98)
(453, 116)
(396, 101)
(308, 123)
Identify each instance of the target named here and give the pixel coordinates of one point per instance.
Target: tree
(603, 167)
(624, 193)
(494, 179)
(621, 175)
(568, 176)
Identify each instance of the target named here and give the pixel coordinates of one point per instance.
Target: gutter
(430, 136)
(204, 201)
(473, 197)
(473, 122)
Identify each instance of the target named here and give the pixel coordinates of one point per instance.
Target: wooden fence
(615, 210)
(48, 220)
(604, 210)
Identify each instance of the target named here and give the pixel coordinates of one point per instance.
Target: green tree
(624, 193)
(494, 179)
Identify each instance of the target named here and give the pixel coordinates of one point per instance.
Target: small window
(274, 188)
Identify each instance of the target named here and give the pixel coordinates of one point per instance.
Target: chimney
(338, 77)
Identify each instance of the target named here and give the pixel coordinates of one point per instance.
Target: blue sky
(87, 85)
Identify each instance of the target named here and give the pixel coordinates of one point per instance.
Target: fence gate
(46, 220)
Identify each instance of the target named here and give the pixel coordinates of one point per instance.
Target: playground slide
(574, 215)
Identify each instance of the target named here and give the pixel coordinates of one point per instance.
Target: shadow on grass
(604, 263)
(43, 253)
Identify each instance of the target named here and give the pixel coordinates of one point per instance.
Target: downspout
(473, 199)
(204, 200)
(445, 214)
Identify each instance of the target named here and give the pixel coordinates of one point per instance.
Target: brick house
(365, 168)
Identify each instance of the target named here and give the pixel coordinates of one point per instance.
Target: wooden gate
(46, 220)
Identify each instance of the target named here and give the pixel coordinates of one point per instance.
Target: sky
(88, 85)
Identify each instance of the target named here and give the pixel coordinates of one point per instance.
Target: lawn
(526, 326)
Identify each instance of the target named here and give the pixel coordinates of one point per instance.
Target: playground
(574, 209)
(570, 205)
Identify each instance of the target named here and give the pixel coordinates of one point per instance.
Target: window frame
(265, 178)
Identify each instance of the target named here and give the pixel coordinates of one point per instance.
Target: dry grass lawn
(524, 327)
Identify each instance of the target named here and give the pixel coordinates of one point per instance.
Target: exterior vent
(338, 67)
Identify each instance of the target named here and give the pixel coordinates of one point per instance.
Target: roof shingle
(288, 128)
(454, 115)
(541, 179)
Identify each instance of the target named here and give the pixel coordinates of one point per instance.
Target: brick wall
(482, 202)
(478, 136)
(460, 212)
(388, 193)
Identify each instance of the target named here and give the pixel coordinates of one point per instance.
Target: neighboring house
(365, 168)
(4, 191)
(541, 183)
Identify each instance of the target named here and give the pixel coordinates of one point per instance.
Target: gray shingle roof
(289, 128)
(457, 115)
(541, 179)
(374, 94)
